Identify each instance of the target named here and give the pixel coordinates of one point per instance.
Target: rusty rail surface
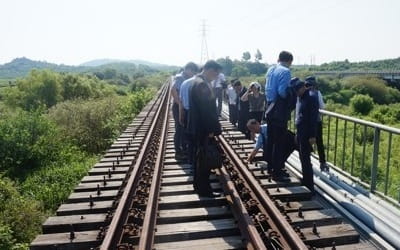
(115, 230)
(285, 233)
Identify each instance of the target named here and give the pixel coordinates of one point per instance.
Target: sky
(170, 31)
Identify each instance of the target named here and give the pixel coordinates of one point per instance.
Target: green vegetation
(387, 64)
(362, 104)
(53, 128)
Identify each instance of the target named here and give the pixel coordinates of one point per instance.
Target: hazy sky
(169, 31)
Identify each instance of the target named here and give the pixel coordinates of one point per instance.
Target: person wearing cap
(311, 81)
(256, 101)
(189, 70)
(278, 112)
(306, 126)
(232, 97)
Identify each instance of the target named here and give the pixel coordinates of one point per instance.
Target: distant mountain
(99, 62)
(105, 61)
(20, 67)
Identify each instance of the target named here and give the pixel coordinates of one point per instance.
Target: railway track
(140, 197)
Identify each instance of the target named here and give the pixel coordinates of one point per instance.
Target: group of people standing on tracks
(197, 106)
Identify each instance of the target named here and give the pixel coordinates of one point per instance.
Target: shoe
(324, 167)
(210, 194)
(280, 178)
(285, 174)
(282, 173)
(180, 156)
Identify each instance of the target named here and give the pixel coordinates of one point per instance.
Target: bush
(362, 104)
(239, 70)
(87, 123)
(27, 140)
(52, 185)
(6, 238)
(47, 88)
(347, 94)
(336, 98)
(386, 114)
(92, 125)
(20, 217)
(369, 85)
(37, 89)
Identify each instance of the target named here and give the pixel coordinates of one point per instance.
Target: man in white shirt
(232, 97)
(218, 84)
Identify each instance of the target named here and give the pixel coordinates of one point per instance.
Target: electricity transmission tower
(204, 48)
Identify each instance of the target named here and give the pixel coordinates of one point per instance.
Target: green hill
(384, 65)
(20, 67)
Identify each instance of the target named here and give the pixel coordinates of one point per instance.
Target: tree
(256, 68)
(239, 71)
(226, 64)
(258, 55)
(110, 73)
(40, 87)
(246, 56)
(362, 104)
(370, 85)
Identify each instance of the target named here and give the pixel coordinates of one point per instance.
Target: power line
(204, 47)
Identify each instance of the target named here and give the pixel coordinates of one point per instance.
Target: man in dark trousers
(306, 125)
(311, 81)
(203, 122)
(243, 108)
(189, 70)
(255, 126)
(278, 113)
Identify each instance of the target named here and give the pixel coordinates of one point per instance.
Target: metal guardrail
(355, 145)
(390, 74)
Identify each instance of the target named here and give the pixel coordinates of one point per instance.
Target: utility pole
(204, 48)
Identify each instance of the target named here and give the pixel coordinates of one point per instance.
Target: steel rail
(109, 241)
(290, 238)
(149, 222)
(247, 227)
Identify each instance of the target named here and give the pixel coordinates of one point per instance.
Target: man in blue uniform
(278, 113)
(255, 127)
(189, 70)
(306, 125)
(261, 129)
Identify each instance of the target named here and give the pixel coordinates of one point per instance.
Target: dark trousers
(290, 146)
(320, 143)
(305, 158)
(188, 138)
(242, 122)
(179, 130)
(233, 114)
(257, 115)
(218, 97)
(201, 174)
(276, 138)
